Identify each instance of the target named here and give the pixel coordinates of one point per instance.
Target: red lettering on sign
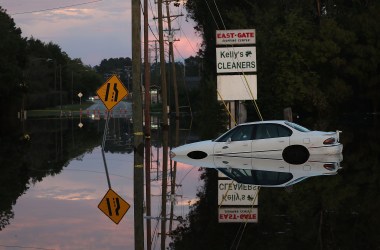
(248, 216)
(225, 35)
(246, 34)
(228, 216)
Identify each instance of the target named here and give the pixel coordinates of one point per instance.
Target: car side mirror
(229, 140)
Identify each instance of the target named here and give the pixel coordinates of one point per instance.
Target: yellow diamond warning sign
(113, 206)
(112, 92)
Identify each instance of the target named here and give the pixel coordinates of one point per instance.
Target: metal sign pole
(103, 144)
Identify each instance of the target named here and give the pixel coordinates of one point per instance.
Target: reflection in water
(52, 182)
(336, 212)
(268, 172)
(49, 146)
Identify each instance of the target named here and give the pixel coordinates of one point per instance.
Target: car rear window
(297, 127)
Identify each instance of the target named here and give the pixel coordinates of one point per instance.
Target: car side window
(283, 131)
(244, 133)
(239, 133)
(265, 131)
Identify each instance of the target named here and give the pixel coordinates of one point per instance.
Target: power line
(187, 39)
(56, 8)
(23, 247)
(217, 9)
(208, 6)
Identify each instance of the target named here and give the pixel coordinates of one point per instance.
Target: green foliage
(34, 74)
(318, 61)
(119, 66)
(321, 62)
(12, 60)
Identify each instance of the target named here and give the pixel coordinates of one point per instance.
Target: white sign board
(237, 87)
(238, 214)
(228, 37)
(233, 193)
(235, 59)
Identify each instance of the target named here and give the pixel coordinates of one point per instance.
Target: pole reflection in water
(52, 184)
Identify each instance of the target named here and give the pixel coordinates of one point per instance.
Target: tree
(12, 62)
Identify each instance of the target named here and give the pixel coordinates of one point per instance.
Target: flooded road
(50, 198)
(53, 178)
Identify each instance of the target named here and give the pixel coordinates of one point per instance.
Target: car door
(269, 140)
(236, 142)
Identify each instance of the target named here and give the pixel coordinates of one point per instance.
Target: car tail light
(329, 166)
(330, 140)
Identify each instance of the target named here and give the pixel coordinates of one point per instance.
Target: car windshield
(297, 127)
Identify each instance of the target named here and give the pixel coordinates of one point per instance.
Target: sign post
(111, 93)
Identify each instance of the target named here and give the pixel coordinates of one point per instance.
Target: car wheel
(295, 154)
(197, 155)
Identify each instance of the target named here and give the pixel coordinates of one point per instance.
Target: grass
(56, 111)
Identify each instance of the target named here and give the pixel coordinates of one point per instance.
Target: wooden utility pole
(174, 81)
(147, 127)
(138, 170)
(165, 126)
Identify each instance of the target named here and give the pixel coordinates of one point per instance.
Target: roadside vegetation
(321, 58)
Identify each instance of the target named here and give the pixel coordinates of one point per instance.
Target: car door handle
(225, 147)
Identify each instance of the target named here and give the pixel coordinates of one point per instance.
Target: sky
(93, 30)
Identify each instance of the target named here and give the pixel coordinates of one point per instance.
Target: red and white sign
(234, 37)
(238, 215)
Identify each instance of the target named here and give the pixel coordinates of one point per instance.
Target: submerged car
(282, 139)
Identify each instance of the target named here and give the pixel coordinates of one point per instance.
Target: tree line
(319, 57)
(322, 59)
(37, 74)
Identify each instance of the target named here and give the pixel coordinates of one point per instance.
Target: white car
(268, 172)
(282, 139)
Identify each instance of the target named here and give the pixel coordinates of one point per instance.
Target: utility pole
(174, 80)
(147, 126)
(164, 124)
(138, 169)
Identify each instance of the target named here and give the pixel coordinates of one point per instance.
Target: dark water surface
(52, 179)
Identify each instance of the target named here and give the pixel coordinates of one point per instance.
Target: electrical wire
(208, 6)
(221, 19)
(56, 8)
(183, 32)
(23, 247)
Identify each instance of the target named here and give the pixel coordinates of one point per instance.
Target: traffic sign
(113, 206)
(112, 92)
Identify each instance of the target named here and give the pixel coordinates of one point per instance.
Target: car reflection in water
(268, 172)
(267, 153)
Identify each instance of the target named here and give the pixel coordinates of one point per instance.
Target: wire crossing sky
(95, 30)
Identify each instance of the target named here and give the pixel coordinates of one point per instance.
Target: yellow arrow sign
(113, 206)
(112, 92)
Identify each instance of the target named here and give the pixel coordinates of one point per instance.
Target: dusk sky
(95, 29)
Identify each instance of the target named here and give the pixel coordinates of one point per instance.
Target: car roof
(263, 122)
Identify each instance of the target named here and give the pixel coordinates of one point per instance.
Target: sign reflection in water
(51, 185)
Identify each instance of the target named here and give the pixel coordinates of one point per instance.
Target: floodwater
(53, 178)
